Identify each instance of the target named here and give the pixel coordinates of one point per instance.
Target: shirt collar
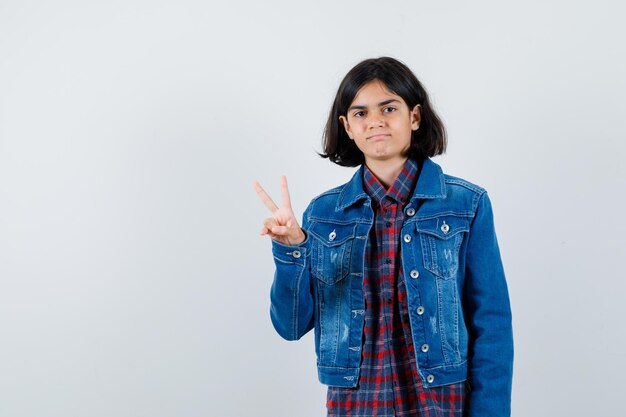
(430, 184)
(399, 190)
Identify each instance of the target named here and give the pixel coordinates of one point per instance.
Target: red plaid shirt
(389, 383)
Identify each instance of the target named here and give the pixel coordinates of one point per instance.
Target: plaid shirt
(389, 383)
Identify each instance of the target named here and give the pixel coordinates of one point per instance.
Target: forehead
(374, 92)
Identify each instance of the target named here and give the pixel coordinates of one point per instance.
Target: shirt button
(296, 254)
(424, 348)
(420, 310)
(407, 238)
(415, 273)
(410, 211)
(430, 379)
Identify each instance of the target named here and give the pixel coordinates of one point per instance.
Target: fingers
(272, 227)
(265, 198)
(284, 192)
(270, 223)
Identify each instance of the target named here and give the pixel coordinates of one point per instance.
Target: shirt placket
(388, 287)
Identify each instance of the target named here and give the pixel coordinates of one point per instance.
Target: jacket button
(407, 238)
(410, 211)
(415, 273)
(430, 379)
(424, 348)
(445, 228)
(296, 254)
(332, 235)
(420, 310)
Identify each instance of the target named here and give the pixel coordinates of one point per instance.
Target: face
(380, 123)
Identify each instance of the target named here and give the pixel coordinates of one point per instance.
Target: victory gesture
(282, 226)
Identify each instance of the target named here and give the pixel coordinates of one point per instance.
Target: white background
(133, 281)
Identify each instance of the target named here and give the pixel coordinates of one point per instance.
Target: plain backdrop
(133, 280)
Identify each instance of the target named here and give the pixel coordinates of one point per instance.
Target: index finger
(265, 198)
(284, 192)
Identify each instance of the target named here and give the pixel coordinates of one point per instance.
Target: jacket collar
(430, 184)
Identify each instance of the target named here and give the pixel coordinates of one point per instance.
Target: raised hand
(283, 225)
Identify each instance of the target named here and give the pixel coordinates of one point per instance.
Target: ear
(416, 117)
(346, 125)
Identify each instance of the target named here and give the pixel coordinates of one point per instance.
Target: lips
(379, 136)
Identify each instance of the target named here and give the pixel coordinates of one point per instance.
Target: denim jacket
(457, 292)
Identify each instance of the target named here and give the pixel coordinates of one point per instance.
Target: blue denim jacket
(457, 292)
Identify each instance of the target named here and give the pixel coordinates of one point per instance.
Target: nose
(376, 121)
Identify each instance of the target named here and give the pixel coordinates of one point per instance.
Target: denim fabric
(455, 283)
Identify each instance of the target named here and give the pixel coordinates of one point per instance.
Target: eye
(359, 114)
(389, 109)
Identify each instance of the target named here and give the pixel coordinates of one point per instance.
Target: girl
(397, 271)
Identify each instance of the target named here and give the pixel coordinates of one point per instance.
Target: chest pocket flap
(443, 227)
(441, 238)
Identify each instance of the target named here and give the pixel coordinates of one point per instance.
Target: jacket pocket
(441, 238)
(330, 250)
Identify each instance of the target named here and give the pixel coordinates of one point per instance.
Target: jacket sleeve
(489, 319)
(291, 300)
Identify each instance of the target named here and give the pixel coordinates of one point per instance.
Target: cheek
(404, 127)
(360, 143)
(356, 125)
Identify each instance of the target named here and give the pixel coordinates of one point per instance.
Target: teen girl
(398, 271)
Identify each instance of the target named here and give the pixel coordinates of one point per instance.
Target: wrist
(299, 238)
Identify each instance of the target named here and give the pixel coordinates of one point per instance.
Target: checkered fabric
(389, 384)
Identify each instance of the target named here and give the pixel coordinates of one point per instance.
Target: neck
(386, 171)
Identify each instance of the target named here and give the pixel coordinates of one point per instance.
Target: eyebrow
(382, 103)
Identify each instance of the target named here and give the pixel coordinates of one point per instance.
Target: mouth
(380, 136)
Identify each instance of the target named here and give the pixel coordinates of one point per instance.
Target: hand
(282, 226)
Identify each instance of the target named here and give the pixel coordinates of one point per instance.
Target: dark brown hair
(429, 140)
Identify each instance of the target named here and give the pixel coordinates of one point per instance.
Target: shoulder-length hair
(429, 140)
